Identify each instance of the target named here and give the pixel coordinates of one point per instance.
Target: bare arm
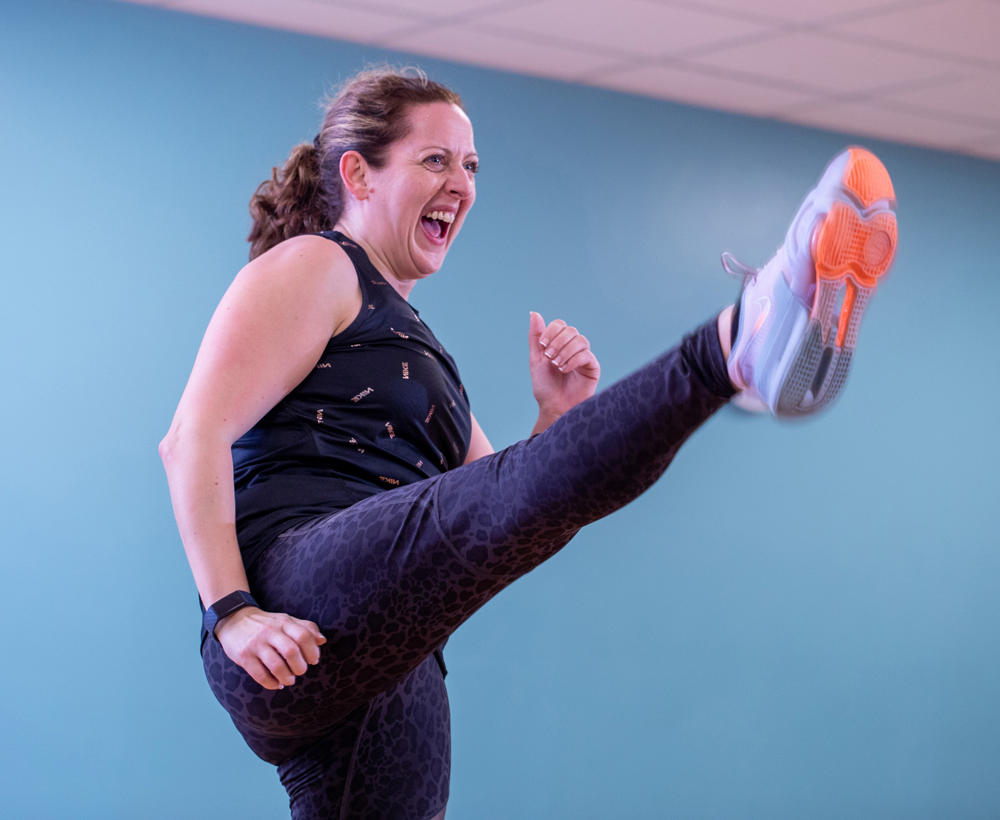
(266, 335)
(479, 445)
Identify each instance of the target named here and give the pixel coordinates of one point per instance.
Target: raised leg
(391, 577)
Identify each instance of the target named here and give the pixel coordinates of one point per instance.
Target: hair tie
(316, 143)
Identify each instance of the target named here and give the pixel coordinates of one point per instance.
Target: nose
(460, 183)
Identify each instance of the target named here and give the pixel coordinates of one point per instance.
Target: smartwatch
(226, 606)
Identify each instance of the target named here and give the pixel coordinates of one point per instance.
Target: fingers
(292, 655)
(563, 357)
(307, 639)
(565, 346)
(273, 648)
(276, 664)
(256, 670)
(551, 331)
(583, 363)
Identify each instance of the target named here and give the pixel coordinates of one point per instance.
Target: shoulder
(309, 270)
(305, 255)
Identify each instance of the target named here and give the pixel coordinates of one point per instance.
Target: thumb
(536, 326)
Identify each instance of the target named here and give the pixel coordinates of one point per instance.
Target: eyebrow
(444, 150)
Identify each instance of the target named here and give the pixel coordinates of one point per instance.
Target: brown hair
(366, 115)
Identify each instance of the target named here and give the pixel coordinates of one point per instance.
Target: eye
(435, 161)
(472, 166)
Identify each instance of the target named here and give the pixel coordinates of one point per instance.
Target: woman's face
(418, 200)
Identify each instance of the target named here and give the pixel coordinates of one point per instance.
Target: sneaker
(800, 313)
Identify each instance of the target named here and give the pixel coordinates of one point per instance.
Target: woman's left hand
(564, 370)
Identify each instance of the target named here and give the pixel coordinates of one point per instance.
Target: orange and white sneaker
(799, 314)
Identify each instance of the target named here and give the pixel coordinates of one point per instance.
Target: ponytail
(288, 204)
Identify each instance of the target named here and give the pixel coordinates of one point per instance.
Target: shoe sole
(852, 248)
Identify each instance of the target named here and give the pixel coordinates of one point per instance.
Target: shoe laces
(734, 267)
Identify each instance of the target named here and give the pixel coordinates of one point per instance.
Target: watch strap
(226, 605)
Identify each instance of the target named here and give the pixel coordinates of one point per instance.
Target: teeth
(444, 216)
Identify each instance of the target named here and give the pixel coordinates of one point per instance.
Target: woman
(370, 515)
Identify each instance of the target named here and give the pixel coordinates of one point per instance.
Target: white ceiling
(924, 72)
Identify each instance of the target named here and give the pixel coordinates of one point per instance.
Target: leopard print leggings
(365, 733)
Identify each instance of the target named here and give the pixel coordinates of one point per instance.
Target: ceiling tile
(975, 97)
(306, 16)
(876, 121)
(439, 8)
(834, 65)
(466, 44)
(922, 71)
(637, 28)
(699, 88)
(986, 150)
(793, 11)
(966, 29)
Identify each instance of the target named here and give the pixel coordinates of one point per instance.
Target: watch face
(226, 606)
(232, 602)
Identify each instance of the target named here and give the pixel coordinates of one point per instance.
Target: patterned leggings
(365, 733)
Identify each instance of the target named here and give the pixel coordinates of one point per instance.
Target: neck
(402, 286)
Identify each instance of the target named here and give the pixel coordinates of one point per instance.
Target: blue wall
(798, 620)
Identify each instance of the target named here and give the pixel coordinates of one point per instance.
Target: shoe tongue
(433, 227)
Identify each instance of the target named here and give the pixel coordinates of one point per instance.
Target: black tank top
(383, 407)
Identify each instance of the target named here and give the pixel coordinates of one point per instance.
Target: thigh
(385, 585)
(391, 760)
(391, 577)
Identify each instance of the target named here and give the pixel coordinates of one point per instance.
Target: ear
(354, 173)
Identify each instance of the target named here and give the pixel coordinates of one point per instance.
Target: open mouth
(436, 225)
